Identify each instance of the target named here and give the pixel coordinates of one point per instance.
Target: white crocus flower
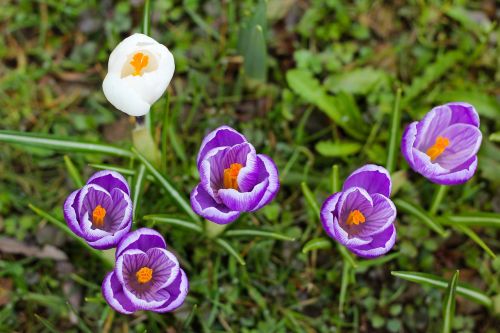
(139, 71)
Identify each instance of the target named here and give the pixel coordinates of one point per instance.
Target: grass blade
(226, 246)
(137, 190)
(73, 172)
(472, 235)
(311, 200)
(449, 304)
(335, 179)
(394, 134)
(490, 220)
(257, 233)
(47, 324)
(168, 187)
(174, 221)
(438, 282)
(421, 215)
(62, 226)
(343, 292)
(123, 171)
(438, 197)
(317, 244)
(378, 261)
(61, 144)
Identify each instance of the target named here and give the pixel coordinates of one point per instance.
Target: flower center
(438, 148)
(231, 176)
(139, 62)
(98, 216)
(145, 274)
(355, 217)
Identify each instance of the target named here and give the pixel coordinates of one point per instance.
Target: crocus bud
(139, 71)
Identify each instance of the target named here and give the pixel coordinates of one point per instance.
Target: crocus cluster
(361, 216)
(234, 178)
(443, 145)
(146, 275)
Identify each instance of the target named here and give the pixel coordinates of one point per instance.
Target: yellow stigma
(355, 217)
(144, 275)
(438, 148)
(98, 216)
(139, 62)
(231, 176)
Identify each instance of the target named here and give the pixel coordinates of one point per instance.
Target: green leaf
(378, 261)
(183, 204)
(358, 81)
(472, 235)
(256, 55)
(137, 189)
(490, 220)
(438, 282)
(257, 233)
(421, 215)
(73, 172)
(226, 246)
(432, 73)
(335, 179)
(61, 144)
(319, 243)
(62, 226)
(311, 200)
(162, 218)
(449, 304)
(341, 109)
(495, 137)
(336, 149)
(48, 325)
(394, 137)
(123, 171)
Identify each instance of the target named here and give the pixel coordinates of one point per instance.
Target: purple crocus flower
(361, 216)
(101, 211)
(234, 178)
(146, 276)
(443, 145)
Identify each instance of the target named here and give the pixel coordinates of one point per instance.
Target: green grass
(318, 88)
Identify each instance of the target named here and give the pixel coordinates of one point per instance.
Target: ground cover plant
(321, 88)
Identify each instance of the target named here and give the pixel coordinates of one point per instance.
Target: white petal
(123, 97)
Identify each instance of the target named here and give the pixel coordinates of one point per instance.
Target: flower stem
(212, 230)
(335, 179)
(394, 134)
(438, 197)
(146, 29)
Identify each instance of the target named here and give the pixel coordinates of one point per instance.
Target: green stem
(394, 135)
(335, 179)
(146, 29)
(343, 292)
(212, 230)
(438, 197)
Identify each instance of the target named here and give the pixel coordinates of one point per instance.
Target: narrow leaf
(257, 233)
(48, 325)
(61, 144)
(378, 261)
(490, 220)
(449, 304)
(137, 189)
(337, 149)
(311, 200)
(495, 137)
(317, 244)
(174, 221)
(472, 235)
(123, 171)
(226, 246)
(335, 179)
(73, 172)
(394, 137)
(168, 187)
(438, 282)
(421, 215)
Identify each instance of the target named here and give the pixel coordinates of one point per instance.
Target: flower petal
(408, 142)
(465, 141)
(459, 175)
(204, 205)
(178, 291)
(383, 214)
(109, 180)
(372, 178)
(123, 97)
(431, 126)
(328, 213)
(271, 173)
(71, 215)
(141, 239)
(165, 266)
(243, 201)
(463, 113)
(112, 291)
(380, 244)
(223, 136)
(111, 240)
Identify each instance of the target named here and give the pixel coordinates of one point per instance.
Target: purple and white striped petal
(372, 178)
(177, 291)
(112, 291)
(380, 244)
(204, 205)
(141, 239)
(223, 136)
(267, 170)
(109, 180)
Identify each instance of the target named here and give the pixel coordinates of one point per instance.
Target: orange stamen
(98, 216)
(438, 148)
(139, 62)
(355, 217)
(231, 176)
(144, 275)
